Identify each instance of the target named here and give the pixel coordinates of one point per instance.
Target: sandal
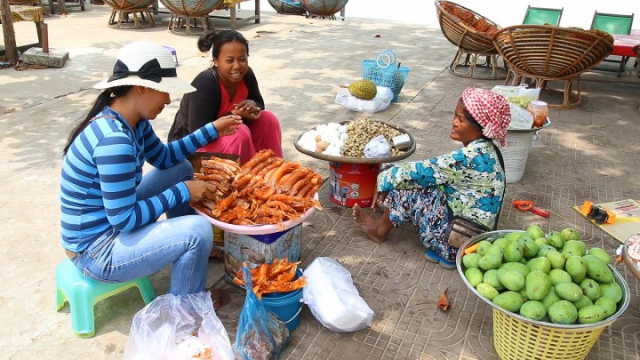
(220, 297)
(216, 254)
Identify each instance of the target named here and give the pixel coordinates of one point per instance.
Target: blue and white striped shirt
(103, 167)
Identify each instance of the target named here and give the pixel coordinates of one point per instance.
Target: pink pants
(260, 134)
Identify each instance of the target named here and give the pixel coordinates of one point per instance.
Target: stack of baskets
(516, 337)
(384, 71)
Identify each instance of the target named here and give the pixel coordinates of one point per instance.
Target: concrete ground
(588, 153)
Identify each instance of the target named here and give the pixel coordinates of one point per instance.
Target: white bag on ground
(380, 102)
(178, 328)
(333, 299)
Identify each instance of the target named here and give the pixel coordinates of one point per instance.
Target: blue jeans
(184, 240)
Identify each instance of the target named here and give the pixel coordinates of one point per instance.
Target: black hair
(104, 99)
(214, 40)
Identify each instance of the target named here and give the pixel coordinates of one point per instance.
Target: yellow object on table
(229, 3)
(27, 13)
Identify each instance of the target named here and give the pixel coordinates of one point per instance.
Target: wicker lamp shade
(550, 52)
(460, 33)
(324, 7)
(192, 8)
(129, 4)
(287, 8)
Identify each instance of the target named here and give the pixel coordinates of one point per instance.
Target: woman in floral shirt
(468, 182)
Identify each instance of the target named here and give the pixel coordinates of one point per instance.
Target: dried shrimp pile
(265, 190)
(362, 131)
(276, 277)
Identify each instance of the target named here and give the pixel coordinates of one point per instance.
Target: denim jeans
(184, 240)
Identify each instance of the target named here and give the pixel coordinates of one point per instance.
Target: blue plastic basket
(391, 77)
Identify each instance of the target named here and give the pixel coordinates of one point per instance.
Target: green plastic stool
(83, 293)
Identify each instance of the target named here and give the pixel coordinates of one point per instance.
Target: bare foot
(371, 226)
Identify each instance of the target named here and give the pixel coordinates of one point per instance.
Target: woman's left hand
(248, 109)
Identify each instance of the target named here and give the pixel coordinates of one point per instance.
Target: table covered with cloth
(26, 13)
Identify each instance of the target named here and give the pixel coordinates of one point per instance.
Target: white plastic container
(516, 151)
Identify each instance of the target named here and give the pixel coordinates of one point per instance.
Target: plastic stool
(83, 293)
(173, 52)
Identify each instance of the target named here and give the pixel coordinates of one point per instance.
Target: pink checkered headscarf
(490, 110)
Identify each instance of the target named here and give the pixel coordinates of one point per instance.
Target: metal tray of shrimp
(361, 160)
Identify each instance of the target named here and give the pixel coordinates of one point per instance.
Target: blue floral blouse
(471, 178)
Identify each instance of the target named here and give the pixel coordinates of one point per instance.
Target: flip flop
(431, 256)
(220, 297)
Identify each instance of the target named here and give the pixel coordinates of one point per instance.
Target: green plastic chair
(614, 24)
(83, 293)
(541, 16)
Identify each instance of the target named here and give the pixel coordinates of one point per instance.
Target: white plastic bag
(380, 102)
(178, 328)
(517, 95)
(520, 118)
(378, 147)
(333, 299)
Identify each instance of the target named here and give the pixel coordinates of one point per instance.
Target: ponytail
(104, 99)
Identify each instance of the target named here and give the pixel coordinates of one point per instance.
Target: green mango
(558, 276)
(502, 242)
(489, 262)
(511, 279)
(570, 234)
(541, 241)
(591, 314)
(520, 267)
(509, 300)
(471, 260)
(529, 246)
(600, 254)
(576, 267)
(487, 291)
(534, 310)
(523, 293)
(584, 301)
(578, 245)
(514, 236)
(612, 291)
(538, 285)
(545, 249)
(534, 231)
(543, 264)
(513, 251)
(491, 278)
(555, 239)
(608, 305)
(562, 312)
(569, 291)
(556, 259)
(474, 276)
(551, 298)
(591, 289)
(598, 270)
(483, 246)
(495, 249)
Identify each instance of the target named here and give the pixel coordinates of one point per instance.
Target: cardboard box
(259, 249)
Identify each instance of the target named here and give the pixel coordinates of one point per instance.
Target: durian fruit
(601, 33)
(363, 89)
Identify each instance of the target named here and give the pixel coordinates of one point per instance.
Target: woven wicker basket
(324, 7)
(287, 8)
(462, 35)
(129, 4)
(550, 52)
(192, 8)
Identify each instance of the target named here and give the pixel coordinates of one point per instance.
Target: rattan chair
(551, 53)
(287, 8)
(472, 44)
(184, 13)
(123, 10)
(324, 8)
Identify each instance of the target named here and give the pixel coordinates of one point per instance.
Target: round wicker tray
(129, 4)
(463, 36)
(354, 160)
(192, 8)
(550, 52)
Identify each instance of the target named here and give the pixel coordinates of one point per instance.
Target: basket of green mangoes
(551, 295)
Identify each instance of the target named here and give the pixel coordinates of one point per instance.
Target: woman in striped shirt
(109, 210)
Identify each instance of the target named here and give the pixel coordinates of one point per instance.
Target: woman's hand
(227, 125)
(199, 190)
(248, 109)
(378, 200)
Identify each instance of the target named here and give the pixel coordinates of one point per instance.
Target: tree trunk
(10, 49)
